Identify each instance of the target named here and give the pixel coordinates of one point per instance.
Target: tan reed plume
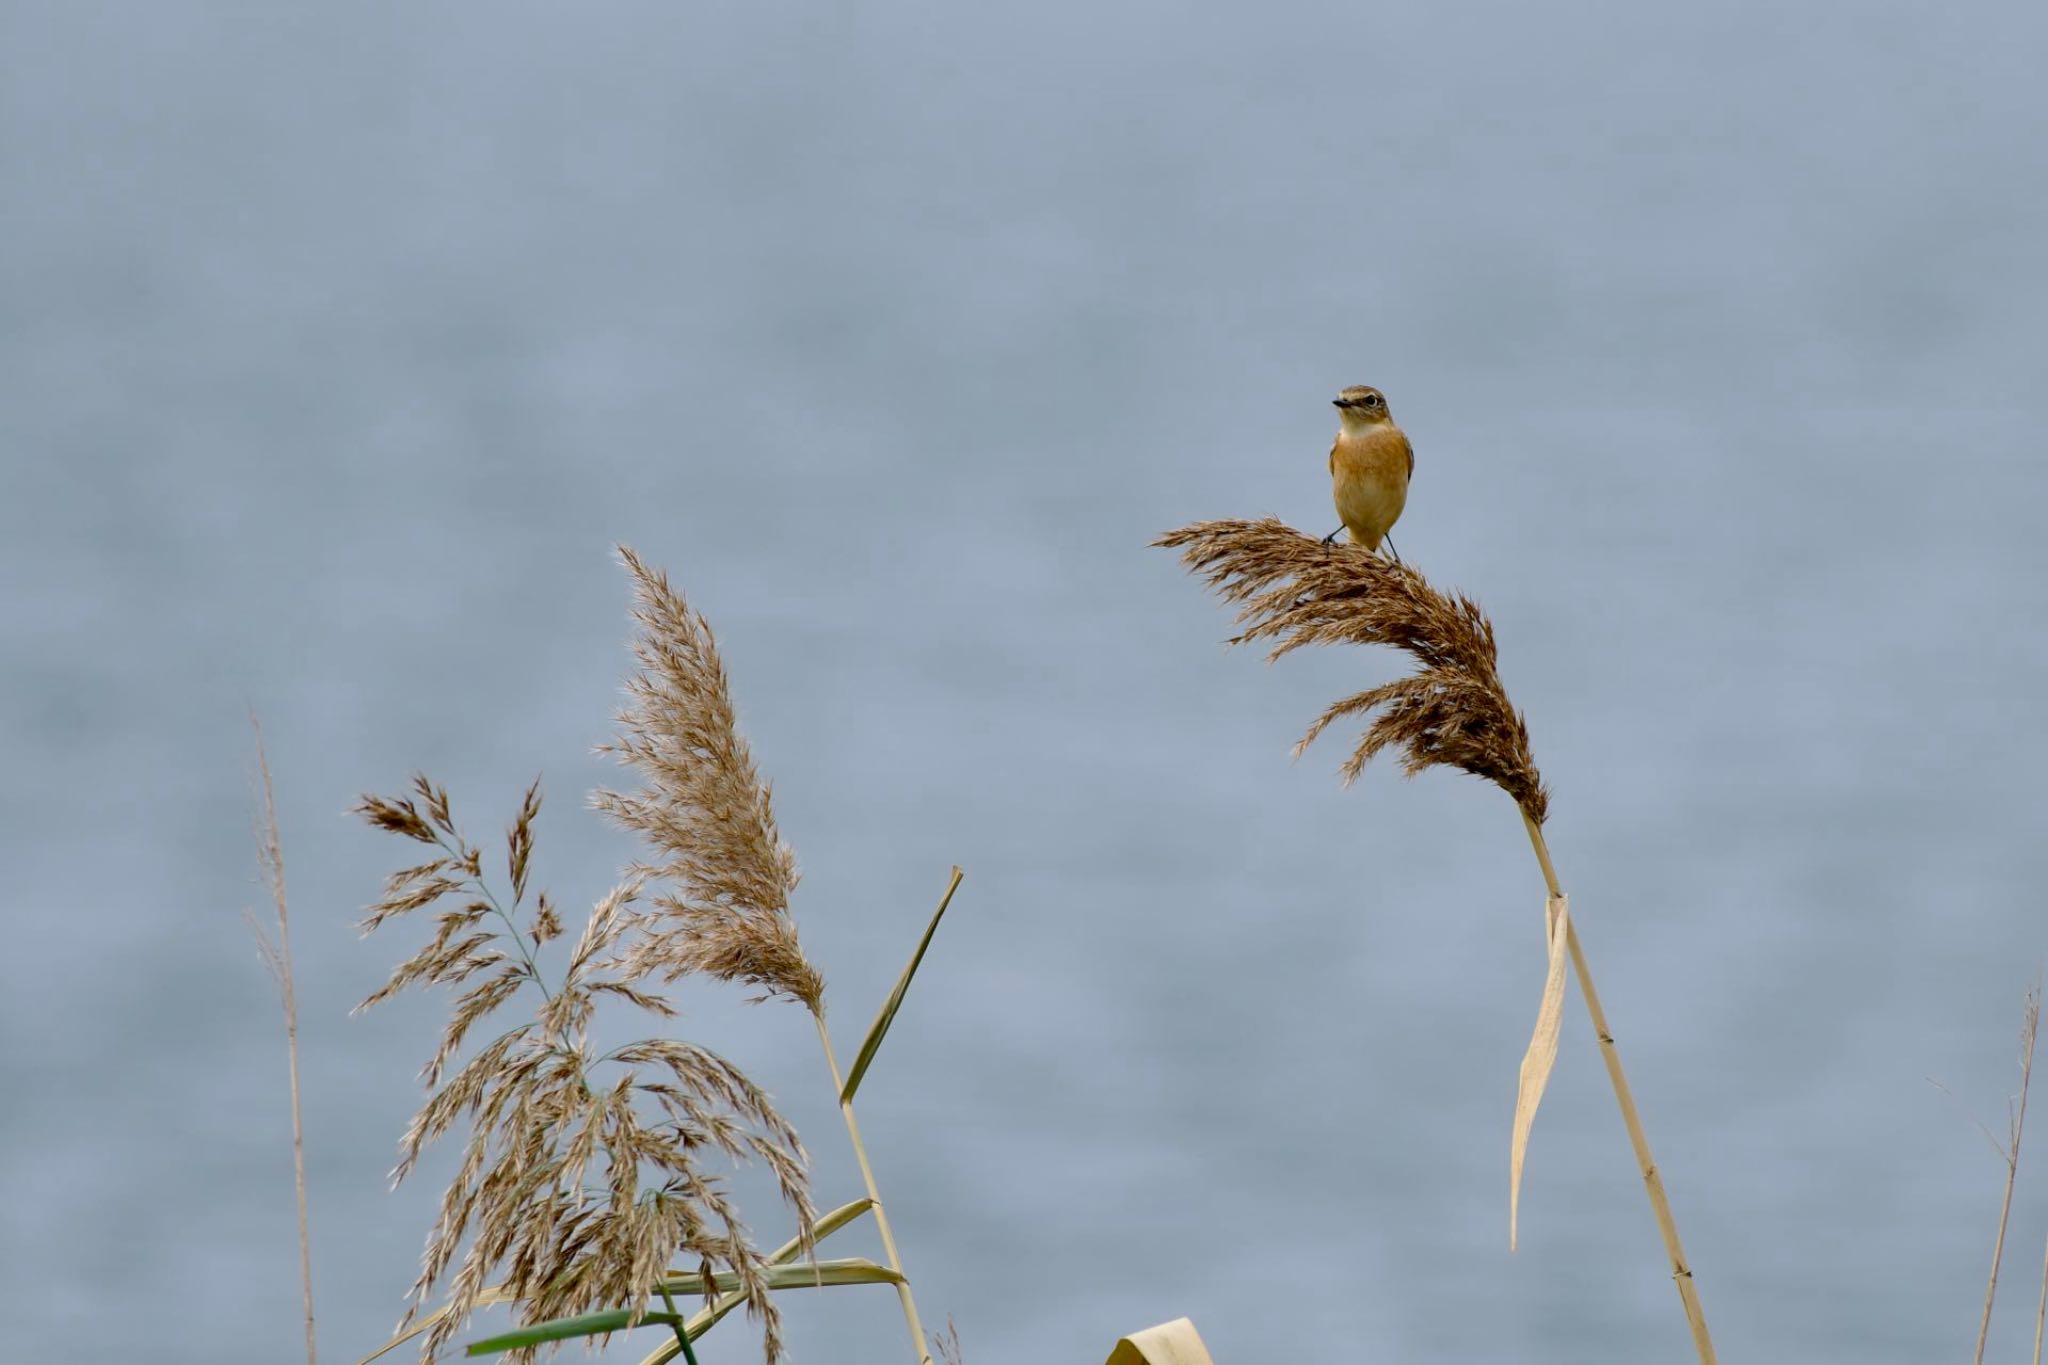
(1293, 591)
(947, 1344)
(724, 874)
(583, 1173)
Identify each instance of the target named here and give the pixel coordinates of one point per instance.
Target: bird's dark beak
(1339, 403)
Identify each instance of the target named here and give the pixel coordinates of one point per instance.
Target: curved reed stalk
(1293, 591)
(905, 1298)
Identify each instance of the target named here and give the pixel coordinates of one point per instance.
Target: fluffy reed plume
(583, 1172)
(724, 874)
(1297, 592)
(1294, 591)
(277, 956)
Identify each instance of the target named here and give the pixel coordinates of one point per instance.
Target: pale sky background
(341, 342)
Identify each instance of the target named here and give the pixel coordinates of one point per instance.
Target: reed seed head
(721, 874)
(1293, 591)
(583, 1174)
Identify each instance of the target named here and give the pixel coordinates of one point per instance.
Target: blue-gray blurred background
(340, 344)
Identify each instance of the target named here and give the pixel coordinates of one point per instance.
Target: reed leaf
(783, 1255)
(801, 1275)
(568, 1329)
(795, 1275)
(1541, 1056)
(822, 1229)
(705, 1318)
(879, 1030)
(1170, 1343)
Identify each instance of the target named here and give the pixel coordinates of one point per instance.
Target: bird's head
(1361, 405)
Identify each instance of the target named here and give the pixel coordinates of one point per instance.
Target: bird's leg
(1389, 543)
(1331, 538)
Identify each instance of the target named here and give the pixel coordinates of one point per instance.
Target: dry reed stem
(2041, 1309)
(278, 957)
(846, 1086)
(1625, 1100)
(2016, 1121)
(905, 1298)
(1294, 591)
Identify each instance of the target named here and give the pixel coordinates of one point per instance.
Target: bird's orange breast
(1369, 479)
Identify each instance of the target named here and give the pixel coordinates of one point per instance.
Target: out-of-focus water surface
(341, 343)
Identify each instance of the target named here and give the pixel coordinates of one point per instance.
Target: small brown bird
(1369, 468)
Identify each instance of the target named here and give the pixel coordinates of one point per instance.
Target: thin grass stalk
(2041, 1309)
(2017, 1120)
(682, 1331)
(1653, 1180)
(867, 1175)
(1997, 1255)
(280, 961)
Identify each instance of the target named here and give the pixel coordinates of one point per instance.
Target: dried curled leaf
(1170, 1343)
(1541, 1056)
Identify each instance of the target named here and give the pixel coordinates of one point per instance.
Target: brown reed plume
(583, 1173)
(1293, 591)
(1297, 592)
(725, 874)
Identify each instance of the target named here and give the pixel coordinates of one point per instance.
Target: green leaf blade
(879, 1030)
(795, 1275)
(704, 1319)
(568, 1329)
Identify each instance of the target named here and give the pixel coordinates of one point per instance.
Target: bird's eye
(1372, 400)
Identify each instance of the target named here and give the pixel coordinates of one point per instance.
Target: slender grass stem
(860, 1153)
(518, 939)
(1653, 1181)
(281, 965)
(2041, 1310)
(2017, 1119)
(682, 1332)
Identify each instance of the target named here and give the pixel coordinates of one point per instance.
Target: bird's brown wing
(1333, 455)
(1407, 450)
